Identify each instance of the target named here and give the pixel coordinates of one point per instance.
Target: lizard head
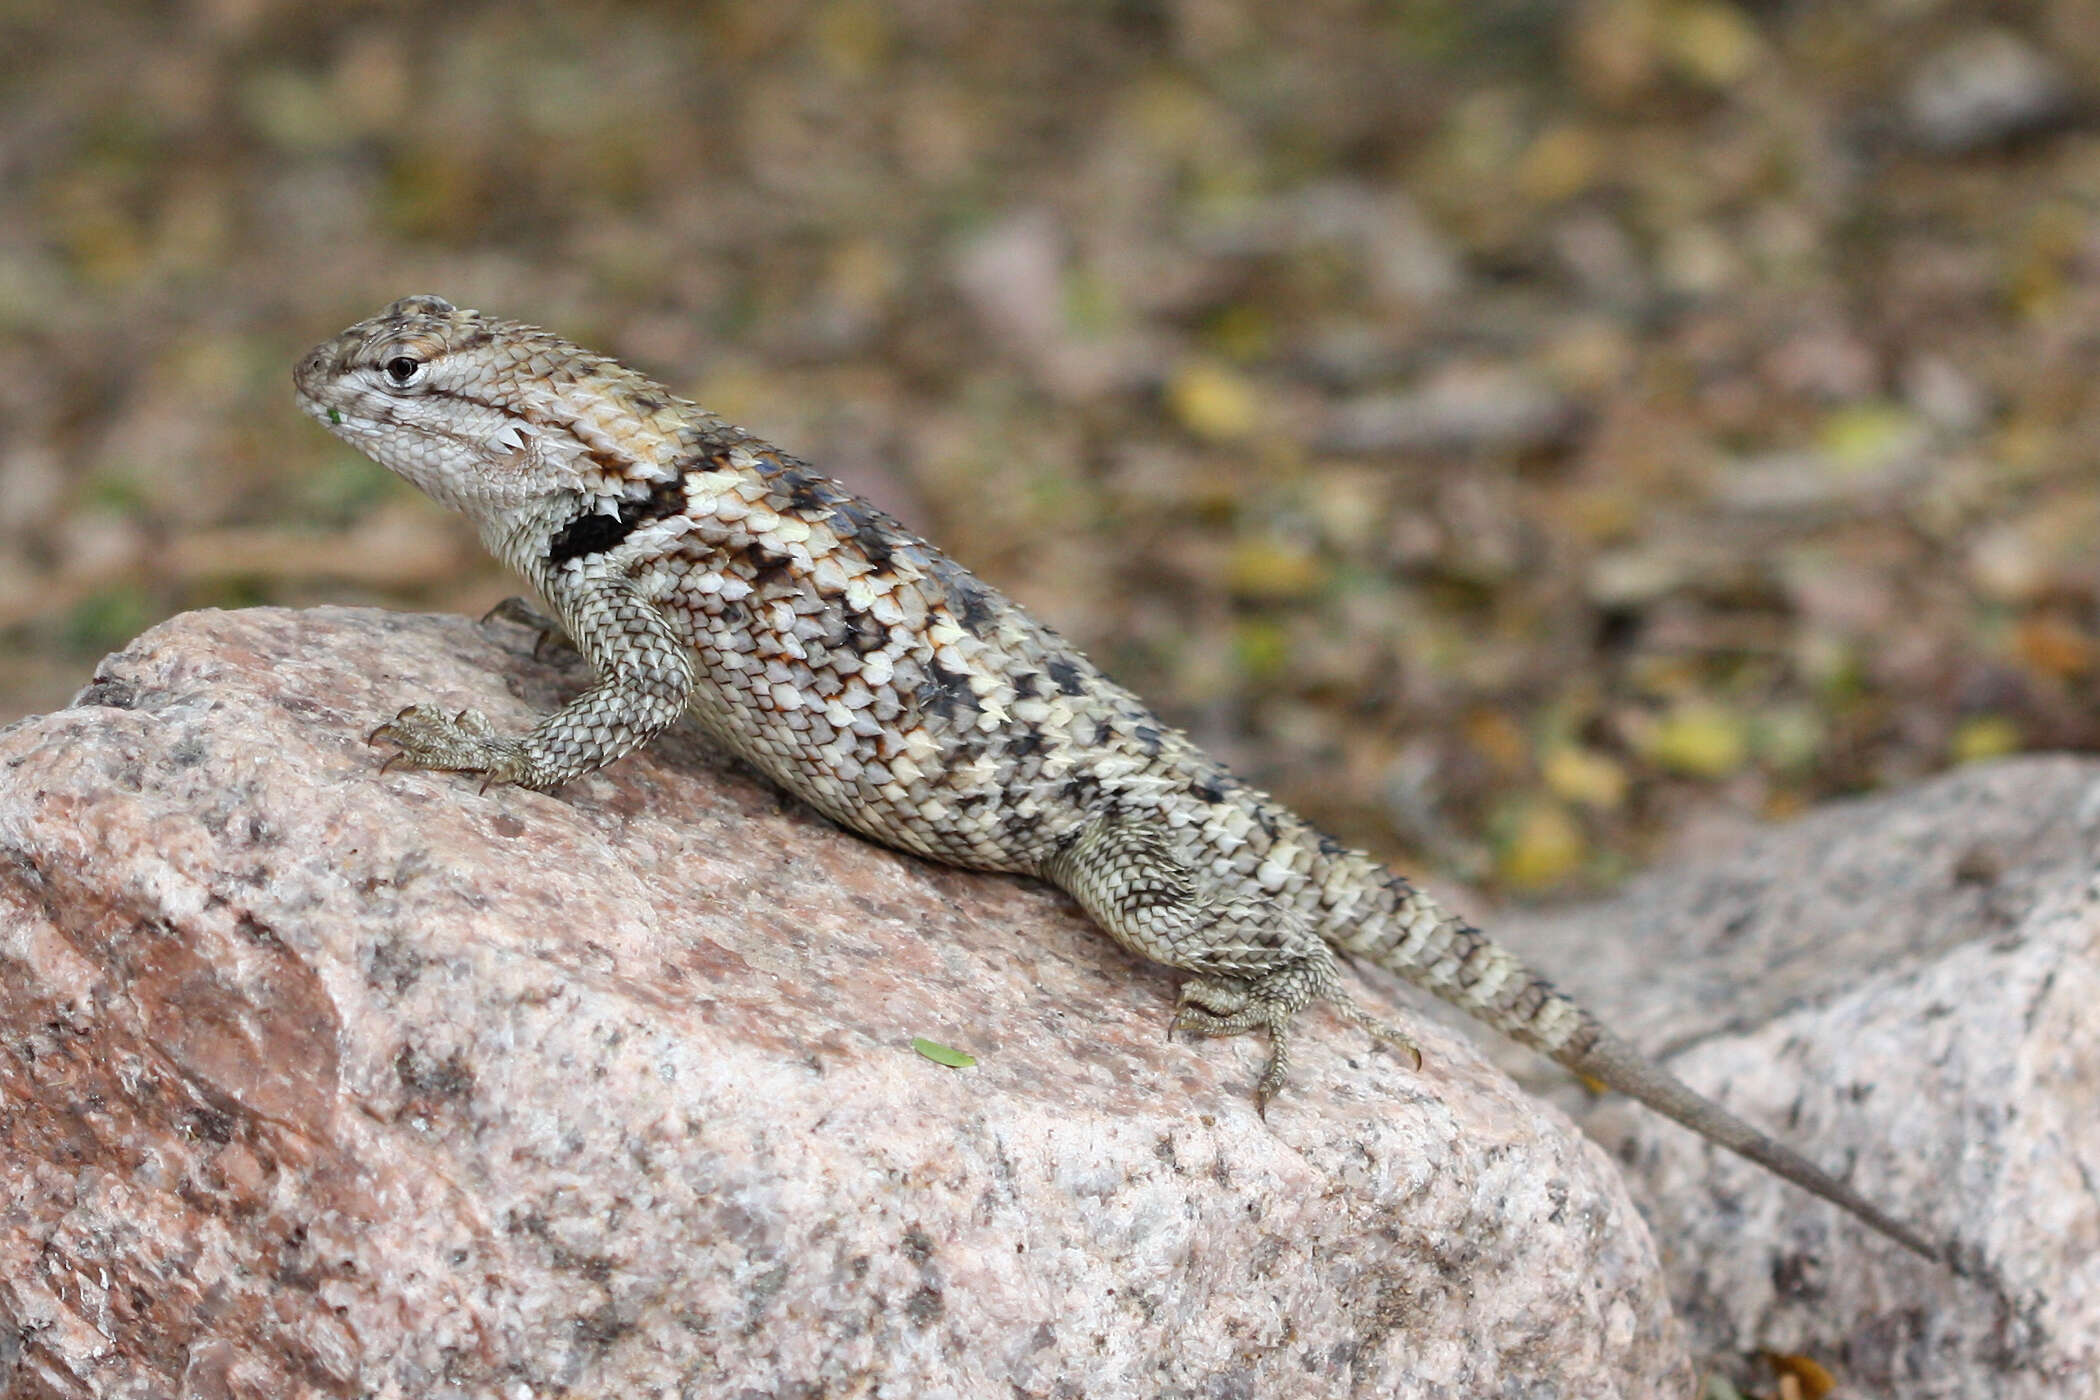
(482, 414)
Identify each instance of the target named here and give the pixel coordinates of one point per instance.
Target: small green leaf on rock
(942, 1054)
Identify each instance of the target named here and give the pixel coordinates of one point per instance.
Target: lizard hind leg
(1257, 963)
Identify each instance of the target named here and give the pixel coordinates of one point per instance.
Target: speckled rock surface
(1910, 986)
(318, 1081)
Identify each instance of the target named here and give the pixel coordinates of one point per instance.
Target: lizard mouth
(324, 414)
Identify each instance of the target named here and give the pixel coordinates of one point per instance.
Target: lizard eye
(403, 370)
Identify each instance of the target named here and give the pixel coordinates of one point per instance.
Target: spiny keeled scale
(699, 568)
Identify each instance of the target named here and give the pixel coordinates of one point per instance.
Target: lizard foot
(1204, 1002)
(424, 736)
(550, 642)
(1219, 1006)
(1215, 1006)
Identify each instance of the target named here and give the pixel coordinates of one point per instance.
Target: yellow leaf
(1272, 572)
(1984, 736)
(1213, 402)
(1700, 740)
(1559, 164)
(1710, 42)
(1261, 648)
(1862, 436)
(1586, 777)
(1543, 847)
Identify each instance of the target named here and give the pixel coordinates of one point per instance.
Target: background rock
(315, 1081)
(1908, 986)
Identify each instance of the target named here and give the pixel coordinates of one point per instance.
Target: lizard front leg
(1256, 962)
(645, 678)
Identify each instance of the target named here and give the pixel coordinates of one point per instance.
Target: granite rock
(319, 1081)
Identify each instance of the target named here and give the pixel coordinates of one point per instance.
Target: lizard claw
(465, 742)
(1379, 1030)
(388, 730)
(1278, 1070)
(548, 637)
(515, 609)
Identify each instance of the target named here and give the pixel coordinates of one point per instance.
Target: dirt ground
(1535, 438)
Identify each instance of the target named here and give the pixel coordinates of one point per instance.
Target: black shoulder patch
(595, 533)
(587, 535)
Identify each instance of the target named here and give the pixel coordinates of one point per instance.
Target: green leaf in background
(942, 1054)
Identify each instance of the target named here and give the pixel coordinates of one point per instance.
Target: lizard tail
(1613, 1062)
(1435, 949)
